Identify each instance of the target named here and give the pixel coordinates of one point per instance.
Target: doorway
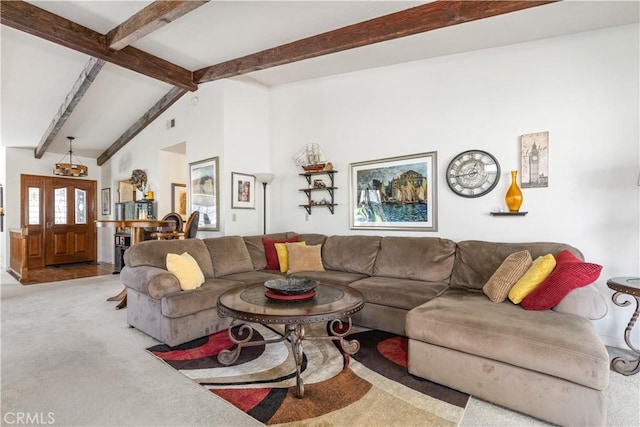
(59, 217)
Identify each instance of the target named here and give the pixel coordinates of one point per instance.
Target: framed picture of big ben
(535, 160)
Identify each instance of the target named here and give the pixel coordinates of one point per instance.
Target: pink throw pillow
(270, 251)
(570, 273)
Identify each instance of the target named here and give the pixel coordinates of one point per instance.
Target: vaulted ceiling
(102, 70)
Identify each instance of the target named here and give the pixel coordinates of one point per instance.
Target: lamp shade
(265, 178)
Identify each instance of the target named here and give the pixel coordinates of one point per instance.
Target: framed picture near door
(105, 201)
(203, 192)
(243, 191)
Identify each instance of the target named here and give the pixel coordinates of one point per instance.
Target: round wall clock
(473, 173)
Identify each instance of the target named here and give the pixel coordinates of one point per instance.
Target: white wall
(582, 88)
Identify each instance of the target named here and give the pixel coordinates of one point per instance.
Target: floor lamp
(264, 178)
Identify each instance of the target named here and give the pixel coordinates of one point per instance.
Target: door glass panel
(34, 206)
(81, 203)
(60, 205)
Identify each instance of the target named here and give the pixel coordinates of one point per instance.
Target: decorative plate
(297, 297)
(290, 286)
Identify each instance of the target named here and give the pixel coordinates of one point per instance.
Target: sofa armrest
(153, 281)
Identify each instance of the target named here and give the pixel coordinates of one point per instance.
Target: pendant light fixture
(70, 169)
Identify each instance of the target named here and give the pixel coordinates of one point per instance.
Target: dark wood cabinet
(121, 242)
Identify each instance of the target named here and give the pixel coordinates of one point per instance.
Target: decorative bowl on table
(291, 286)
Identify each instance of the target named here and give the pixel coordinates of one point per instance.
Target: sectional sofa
(549, 364)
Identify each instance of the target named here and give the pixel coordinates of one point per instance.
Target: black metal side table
(626, 286)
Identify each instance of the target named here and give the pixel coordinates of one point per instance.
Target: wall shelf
(313, 189)
(509, 213)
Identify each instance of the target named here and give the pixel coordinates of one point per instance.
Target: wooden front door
(59, 214)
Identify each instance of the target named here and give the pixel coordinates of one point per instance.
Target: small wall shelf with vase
(314, 188)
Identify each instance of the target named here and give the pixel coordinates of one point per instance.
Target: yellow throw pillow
(512, 268)
(305, 258)
(186, 269)
(539, 270)
(283, 254)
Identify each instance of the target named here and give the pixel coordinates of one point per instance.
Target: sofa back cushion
(419, 258)
(476, 261)
(229, 255)
(255, 246)
(312, 239)
(154, 253)
(351, 254)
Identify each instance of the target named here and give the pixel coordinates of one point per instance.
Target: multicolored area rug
(370, 388)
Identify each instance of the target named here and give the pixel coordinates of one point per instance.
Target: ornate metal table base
(295, 334)
(625, 287)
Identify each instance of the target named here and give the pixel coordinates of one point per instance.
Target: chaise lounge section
(549, 364)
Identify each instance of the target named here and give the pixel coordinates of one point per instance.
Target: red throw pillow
(270, 251)
(570, 273)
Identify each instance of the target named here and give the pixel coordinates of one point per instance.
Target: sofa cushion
(229, 255)
(512, 268)
(312, 238)
(477, 260)
(154, 253)
(570, 273)
(256, 248)
(352, 254)
(305, 258)
(540, 268)
(398, 293)
(254, 277)
(205, 297)
(418, 258)
(330, 277)
(186, 269)
(557, 344)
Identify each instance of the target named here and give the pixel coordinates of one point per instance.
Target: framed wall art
(126, 191)
(243, 191)
(179, 199)
(105, 201)
(203, 192)
(534, 149)
(396, 193)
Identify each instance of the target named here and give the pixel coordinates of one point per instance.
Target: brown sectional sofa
(549, 364)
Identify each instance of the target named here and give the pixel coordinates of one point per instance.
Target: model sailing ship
(311, 158)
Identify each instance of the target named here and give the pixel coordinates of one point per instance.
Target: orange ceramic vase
(514, 195)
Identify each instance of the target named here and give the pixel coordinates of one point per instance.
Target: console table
(629, 286)
(137, 227)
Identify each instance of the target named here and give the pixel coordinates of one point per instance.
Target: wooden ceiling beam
(419, 19)
(79, 88)
(33, 20)
(154, 16)
(159, 107)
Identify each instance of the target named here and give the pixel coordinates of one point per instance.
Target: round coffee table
(251, 305)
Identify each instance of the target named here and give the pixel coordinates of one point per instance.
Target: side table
(626, 286)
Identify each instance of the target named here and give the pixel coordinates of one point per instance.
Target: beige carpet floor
(68, 358)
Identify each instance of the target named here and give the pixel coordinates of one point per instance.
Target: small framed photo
(396, 193)
(179, 199)
(534, 149)
(243, 191)
(105, 201)
(203, 192)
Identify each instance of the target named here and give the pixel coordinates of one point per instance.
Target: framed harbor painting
(203, 192)
(396, 193)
